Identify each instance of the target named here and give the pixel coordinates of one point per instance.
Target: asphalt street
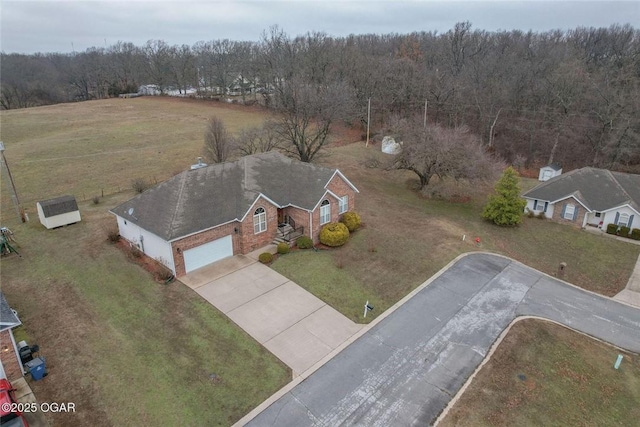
(404, 370)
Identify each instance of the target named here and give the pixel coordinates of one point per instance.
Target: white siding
(610, 217)
(153, 246)
(58, 220)
(529, 207)
(546, 173)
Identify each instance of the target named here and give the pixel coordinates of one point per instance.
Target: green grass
(545, 374)
(126, 349)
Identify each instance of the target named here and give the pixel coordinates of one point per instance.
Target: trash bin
(37, 368)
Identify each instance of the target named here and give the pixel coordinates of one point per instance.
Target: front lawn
(125, 349)
(544, 374)
(407, 238)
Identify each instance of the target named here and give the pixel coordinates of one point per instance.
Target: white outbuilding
(58, 212)
(549, 171)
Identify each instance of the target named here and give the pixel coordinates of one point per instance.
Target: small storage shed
(549, 171)
(58, 212)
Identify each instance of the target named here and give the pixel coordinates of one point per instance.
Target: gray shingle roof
(8, 319)
(597, 189)
(58, 206)
(203, 198)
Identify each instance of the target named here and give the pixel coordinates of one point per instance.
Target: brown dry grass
(545, 374)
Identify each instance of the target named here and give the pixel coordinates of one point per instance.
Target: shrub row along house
(207, 214)
(589, 197)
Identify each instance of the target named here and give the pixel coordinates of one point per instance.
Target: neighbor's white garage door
(208, 253)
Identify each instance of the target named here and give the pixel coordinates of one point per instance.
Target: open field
(86, 147)
(131, 351)
(544, 374)
(125, 349)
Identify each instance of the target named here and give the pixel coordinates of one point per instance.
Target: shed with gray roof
(58, 212)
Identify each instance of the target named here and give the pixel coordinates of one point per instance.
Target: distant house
(549, 171)
(589, 196)
(58, 212)
(203, 215)
(9, 355)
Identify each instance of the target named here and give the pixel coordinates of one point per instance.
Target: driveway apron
(297, 327)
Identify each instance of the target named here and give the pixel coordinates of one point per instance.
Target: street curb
(495, 346)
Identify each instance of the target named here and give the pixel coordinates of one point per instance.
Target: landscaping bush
(530, 213)
(96, 200)
(540, 215)
(304, 242)
(139, 185)
(624, 231)
(135, 252)
(283, 248)
(351, 220)
(635, 234)
(265, 258)
(113, 235)
(612, 229)
(334, 234)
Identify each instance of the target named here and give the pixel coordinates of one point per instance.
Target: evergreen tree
(506, 206)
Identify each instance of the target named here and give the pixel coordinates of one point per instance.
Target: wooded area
(570, 97)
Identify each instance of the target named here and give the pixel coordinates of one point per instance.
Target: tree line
(570, 97)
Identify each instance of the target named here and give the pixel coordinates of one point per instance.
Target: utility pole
(425, 113)
(14, 193)
(368, 120)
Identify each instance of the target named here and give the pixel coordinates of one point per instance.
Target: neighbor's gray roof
(8, 318)
(58, 206)
(199, 199)
(597, 189)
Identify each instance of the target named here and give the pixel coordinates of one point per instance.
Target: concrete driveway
(407, 366)
(299, 328)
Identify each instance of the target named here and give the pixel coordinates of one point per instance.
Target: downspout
(311, 225)
(15, 349)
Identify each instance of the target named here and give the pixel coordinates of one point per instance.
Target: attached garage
(206, 254)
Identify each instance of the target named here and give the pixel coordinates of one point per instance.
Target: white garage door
(208, 253)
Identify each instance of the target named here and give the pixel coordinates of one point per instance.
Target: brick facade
(557, 212)
(250, 241)
(244, 238)
(9, 357)
(200, 239)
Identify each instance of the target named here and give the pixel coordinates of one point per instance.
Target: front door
(280, 216)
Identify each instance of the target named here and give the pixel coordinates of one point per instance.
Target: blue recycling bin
(37, 368)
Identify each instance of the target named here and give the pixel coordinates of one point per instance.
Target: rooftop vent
(199, 165)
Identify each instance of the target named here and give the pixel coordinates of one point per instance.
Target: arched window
(325, 212)
(259, 220)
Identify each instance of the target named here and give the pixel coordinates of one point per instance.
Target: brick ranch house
(588, 197)
(201, 216)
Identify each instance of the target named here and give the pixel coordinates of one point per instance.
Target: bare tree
(307, 113)
(218, 144)
(441, 152)
(258, 139)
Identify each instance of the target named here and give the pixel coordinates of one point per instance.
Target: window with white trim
(539, 206)
(259, 220)
(343, 206)
(623, 221)
(325, 212)
(569, 211)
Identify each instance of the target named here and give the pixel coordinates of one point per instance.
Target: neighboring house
(58, 212)
(201, 216)
(549, 171)
(9, 355)
(589, 196)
